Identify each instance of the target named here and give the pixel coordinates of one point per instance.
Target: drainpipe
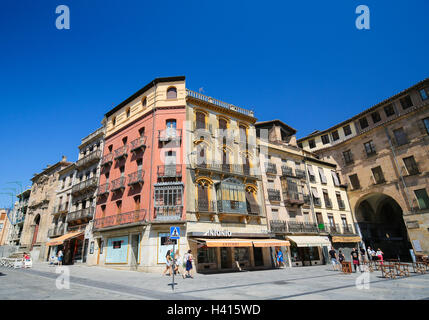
(151, 154)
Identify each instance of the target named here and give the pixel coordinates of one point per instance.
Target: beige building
(383, 156)
(5, 226)
(40, 207)
(305, 201)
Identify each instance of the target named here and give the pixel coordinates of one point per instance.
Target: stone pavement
(317, 282)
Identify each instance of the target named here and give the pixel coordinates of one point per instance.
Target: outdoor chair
(388, 271)
(346, 267)
(402, 269)
(419, 267)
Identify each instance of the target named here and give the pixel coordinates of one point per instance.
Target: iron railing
(282, 226)
(107, 159)
(132, 217)
(170, 171)
(202, 205)
(293, 198)
(306, 198)
(139, 143)
(121, 152)
(169, 134)
(317, 202)
(271, 168)
(118, 184)
(136, 177)
(103, 189)
(287, 171)
(60, 208)
(168, 213)
(57, 231)
(89, 159)
(273, 195)
(328, 203)
(341, 204)
(90, 183)
(86, 213)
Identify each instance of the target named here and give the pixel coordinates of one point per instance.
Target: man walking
(355, 259)
(334, 259)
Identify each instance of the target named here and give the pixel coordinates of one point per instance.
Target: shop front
(345, 244)
(217, 254)
(309, 250)
(71, 244)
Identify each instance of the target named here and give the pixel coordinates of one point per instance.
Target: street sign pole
(174, 235)
(173, 266)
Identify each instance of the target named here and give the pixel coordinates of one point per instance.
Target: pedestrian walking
(341, 256)
(179, 264)
(168, 263)
(279, 258)
(371, 253)
(188, 260)
(379, 255)
(60, 257)
(363, 254)
(334, 259)
(355, 259)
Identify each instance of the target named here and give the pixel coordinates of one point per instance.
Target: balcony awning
(270, 243)
(227, 242)
(353, 239)
(67, 236)
(310, 241)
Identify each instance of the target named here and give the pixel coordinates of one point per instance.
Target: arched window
(171, 93)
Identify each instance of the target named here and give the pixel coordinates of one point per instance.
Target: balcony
(57, 231)
(333, 229)
(84, 186)
(300, 174)
(231, 207)
(61, 208)
(307, 200)
(205, 206)
(328, 203)
(121, 219)
(278, 226)
(341, 204)
(287, 171)
(82, 214)
(118, 184)
(138, 144)
(107, 159)
(121, 152)
(170, 171)
(103, 189)
(234, 169)
(168, 213)
(281, 226)
(293, 198)
(89, 159)
(274, 195)
(170, 135)
(317, 202)
(136, 177)
(270, 168)
(348, 229)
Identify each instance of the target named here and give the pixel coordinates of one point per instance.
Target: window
(331, 220)
(348, 156)
(144, 102)
(312, 143)
(411, 165)
(426, 124)
(200, 120)
(400, 136)
(375, 117)
(378, 175)
(113, 121)
(389, 110)
(325, 139)
(322, 176)
(422, 198)
(117, 244)
(326, 198)
(344, 221)
(316, 197)
(335, 135)
(406, 102)
(207, 255)
(171, 93)
(369, 148)
(292, 214)
(424, 93)
(335, 178)
(354, 180)
(363, 123)
(300, 145)
(347, 130)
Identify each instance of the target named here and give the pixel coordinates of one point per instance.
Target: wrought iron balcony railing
(121, 152)
(274, 195)
(205, 206)
(170, 171)
(86, 213)
(107, 159)
(287, 171)
(103, 189)
(278, 226)
(138, 144)
(347, 229)
(317, 202)
(118, 184)
(271, 168)
(170, 134)
(120, 219)
(341, 204)
(89, 159)
(300, 173)
(293, 198)
(281, 226)
(57, 231)
(328, 203)
(136, 177)
(88, 184)
(168, 213)
(237, 169)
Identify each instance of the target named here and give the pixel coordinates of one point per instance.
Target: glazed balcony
(293, 198)
(170, 171)
(107, 159)
(274, 195)
(103, 189)
(168, 213)
(136, 177)
(118, 184)
(135, 217)
(121, 152)
(170, 135)
(231, 207)
(89, 159)
(57, 231)
(138, 144)
(82, 214)
(85, 186)
(205, 206)
(270, 168)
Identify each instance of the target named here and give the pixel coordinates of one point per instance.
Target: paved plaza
(318, 282)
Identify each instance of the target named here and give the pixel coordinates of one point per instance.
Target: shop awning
(67, 236)
(227, 242)
(346, 239)
(270, 243)
(310, 241)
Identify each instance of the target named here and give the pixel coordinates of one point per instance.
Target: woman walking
(178, 264)
(188, 259)
(168, 263)
(60, 257)
(379, 255)
(279, 257)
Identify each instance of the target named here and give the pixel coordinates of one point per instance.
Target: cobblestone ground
(318, 282)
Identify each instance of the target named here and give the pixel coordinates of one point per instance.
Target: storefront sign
(218, 233)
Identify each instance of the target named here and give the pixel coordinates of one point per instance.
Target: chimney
(64, 159)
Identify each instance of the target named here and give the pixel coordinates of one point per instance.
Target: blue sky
(302, 62)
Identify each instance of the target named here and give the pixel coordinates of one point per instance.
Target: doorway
(85, 250)
(225, 258)
(135, 240)
(259, 258)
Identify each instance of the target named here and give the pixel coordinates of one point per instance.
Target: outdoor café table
(402, 269)
(346, 267)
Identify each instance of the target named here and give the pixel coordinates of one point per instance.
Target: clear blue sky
(302, 62)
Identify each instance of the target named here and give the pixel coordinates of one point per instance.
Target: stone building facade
(18, 216)
(383, 156)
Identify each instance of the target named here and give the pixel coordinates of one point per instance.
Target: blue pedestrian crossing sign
(174, 233)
